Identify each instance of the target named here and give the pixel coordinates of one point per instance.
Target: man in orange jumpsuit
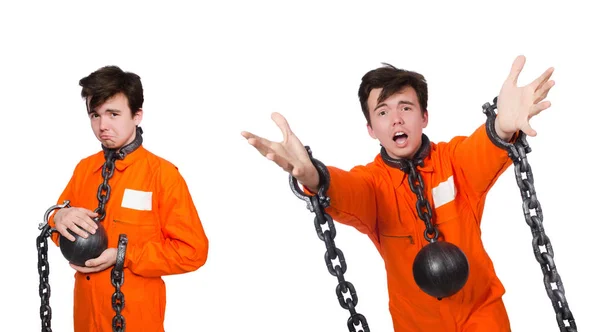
(377, 199)
(149, 202)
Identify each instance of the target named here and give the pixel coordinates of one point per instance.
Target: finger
(538, 108)
(542, 93)
(90, 213)
(87, 269)
(77, 230)
(65, 233)
(76, 267)
(538, 82)
(248, 135)
(282, 124)
(94, 262)
(256, 140)
(263, 145)
(516, 69)
(85, 223)
(80, 268)
(92, 224)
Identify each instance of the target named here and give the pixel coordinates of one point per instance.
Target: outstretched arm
(352, 193)
(476, 158)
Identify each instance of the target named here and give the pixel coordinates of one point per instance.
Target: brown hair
(391, 80)
(108, 81)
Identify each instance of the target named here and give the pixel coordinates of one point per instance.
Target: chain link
(44, 272)
(532, 210)
(345, 291)
(415, 181)
(103, 194)
(117, 279)
(44, 267)
(117, 275)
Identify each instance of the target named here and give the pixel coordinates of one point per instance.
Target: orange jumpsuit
(376, 199)
(150, 202)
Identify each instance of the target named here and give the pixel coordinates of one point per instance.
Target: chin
(108, 144)
(396, 152)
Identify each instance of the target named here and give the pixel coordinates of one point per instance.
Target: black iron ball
(441, 269)
(82, 249)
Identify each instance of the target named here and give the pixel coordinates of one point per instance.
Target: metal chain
(108, 170)
(117, 276)
(44, 272)
(117, 279)
(44, 268)
(415, 181)
(345, 291)
(532, 210)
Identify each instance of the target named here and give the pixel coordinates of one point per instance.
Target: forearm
(173, 255)
(478, 160)
(353, 199)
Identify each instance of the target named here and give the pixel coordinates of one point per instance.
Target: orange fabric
(168, 239)
(376, 199)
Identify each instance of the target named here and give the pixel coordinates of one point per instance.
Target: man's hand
(516, 105)
(78, 220)
(107, 259)
(289, 154)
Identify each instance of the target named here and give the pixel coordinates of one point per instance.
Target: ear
(425, 119)
(137, 117)
(371, 132)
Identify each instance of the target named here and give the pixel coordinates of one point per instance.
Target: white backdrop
(213, 70)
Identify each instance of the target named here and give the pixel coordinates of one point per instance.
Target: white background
(212, 70)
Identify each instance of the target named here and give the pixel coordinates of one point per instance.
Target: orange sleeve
(67, 194)
(184, 247)
(478, 164)
(353, 199)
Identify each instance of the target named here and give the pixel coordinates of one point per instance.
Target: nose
(103, 123)
(397, 117)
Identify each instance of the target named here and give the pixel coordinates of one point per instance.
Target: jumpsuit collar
(404, 163)
(399, 168)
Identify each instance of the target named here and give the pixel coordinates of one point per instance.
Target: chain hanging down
(44, 268)
(524, 176)
(118, 299)
(317, 204)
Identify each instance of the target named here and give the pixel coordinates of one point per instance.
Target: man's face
(112, 122)
(397, 122)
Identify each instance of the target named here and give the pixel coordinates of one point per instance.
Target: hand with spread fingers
(516, 105)
(289, 154)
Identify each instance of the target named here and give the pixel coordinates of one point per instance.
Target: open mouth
(400, 137)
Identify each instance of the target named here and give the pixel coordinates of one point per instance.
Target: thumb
(91, 262)
(526, 128)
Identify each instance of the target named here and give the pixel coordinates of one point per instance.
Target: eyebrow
(401, 102)
(108, 110)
